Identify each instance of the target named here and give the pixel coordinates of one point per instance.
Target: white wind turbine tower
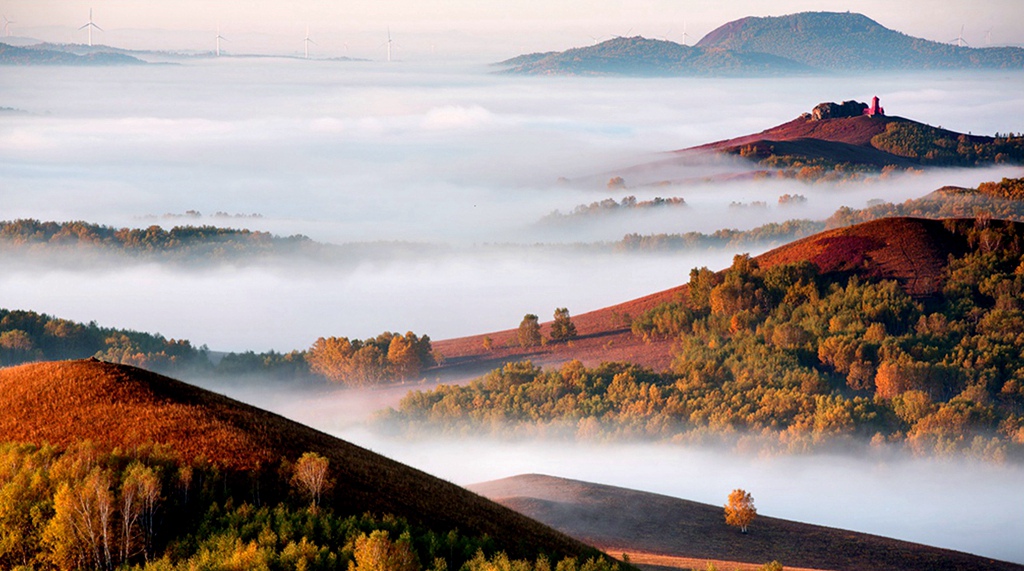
(7, 26)
(218, 39)
(89, 26)
(307, 41)
(389, 42)
(960, 39)
(685, 35)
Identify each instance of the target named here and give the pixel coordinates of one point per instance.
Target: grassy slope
(913, 251)
(123, 406)
(623, 520)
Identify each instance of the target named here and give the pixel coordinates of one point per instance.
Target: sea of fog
(463, 163)
(970, 506)
(453, 157)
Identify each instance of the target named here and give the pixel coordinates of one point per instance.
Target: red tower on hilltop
(875, 108)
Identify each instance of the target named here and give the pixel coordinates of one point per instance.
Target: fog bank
(435, 154)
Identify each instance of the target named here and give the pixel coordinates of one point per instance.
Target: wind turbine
(960, 39)
(685, 35)
(389, 42)
(307, 41)
(89, 26)
(218, 39)
(7, 26)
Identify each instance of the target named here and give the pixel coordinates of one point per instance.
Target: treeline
(28, 235)
(773, 232)
(995, 200)
(84, 508)
(932, 146)
(794, 360)
(27, 336)
(610, 206)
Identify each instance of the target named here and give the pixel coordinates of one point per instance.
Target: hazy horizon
(458, 29)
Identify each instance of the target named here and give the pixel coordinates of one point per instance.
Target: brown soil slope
(623, 520)
(911, 250)
(122, 406)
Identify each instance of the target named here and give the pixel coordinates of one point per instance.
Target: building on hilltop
(875, 108)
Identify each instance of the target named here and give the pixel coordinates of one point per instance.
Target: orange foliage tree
(740, 510)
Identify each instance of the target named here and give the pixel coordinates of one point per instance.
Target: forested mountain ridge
(639, 56)
(795, 44)
(849, 41)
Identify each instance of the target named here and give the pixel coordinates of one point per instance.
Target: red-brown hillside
(837, 140)
(665, 530)
(121, 406)
(911, 250)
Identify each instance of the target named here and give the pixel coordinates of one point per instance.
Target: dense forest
(791, 359)
(86, 508)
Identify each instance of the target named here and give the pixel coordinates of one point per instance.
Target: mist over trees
(792, 359)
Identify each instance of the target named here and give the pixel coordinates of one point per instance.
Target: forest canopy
(792, 359)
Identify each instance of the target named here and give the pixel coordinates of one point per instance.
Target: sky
(466, 28)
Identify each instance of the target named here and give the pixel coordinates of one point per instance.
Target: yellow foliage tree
(376, 552)
(740, 510)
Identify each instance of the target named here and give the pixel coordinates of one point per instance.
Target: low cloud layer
(447, 156)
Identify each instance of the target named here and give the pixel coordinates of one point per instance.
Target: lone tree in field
(310, 476)
(529, 331)
(740, 510)
(562, 329)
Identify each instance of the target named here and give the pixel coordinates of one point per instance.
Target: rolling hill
(639, 56)
(118, 406)
(663, 531)
(849, 41)
(43, 54)
(910, 250)
(859, 140)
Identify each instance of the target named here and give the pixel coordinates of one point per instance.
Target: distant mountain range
(809, 42)
(845, 41)
(642, 56)
(50, 54)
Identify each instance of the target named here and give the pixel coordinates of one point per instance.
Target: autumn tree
(140, 493)
(562, 329)
(310, 476)
(529, 331)
(740, 510)
(330, 356)
(376, 552)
